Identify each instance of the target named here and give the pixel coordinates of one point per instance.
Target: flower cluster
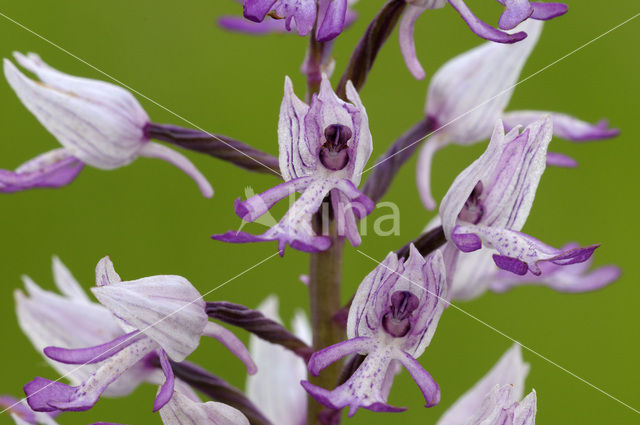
(143, 331)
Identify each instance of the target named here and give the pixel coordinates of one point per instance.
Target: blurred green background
(152, 220)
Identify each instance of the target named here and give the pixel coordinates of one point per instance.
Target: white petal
(66, 283)
(277, 368)
(469, 93)
(49, 319)
(510, 370)
(94, 129)
(167, 308)
(183, 411)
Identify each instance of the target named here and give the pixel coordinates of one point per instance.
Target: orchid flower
(279, 368)
(330, 16)
(494, 399)
(72, 320)
(516, 12)
(471, 92)
(97, 123)
(393, 317)
(163, 317)
(324, 147)
(288, 21)
(489, 202)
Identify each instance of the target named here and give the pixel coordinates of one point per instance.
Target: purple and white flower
(329, 16)
(495, 399)
(468, 94)
(97, 123)
(72, 320)
(324, 147)
(163, 317)
(279, 368)
(392, 320)
(259, 24)
(516, 12)
(489, 202)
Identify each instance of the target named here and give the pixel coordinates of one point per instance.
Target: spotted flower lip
(516, 12)
(97, 123)
(509, 371)
(464, 105)
(324, 147)
(392, 320)
(476, 272)
(162, 317)
(330, 16)
(489, 202)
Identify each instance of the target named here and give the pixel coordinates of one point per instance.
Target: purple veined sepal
(510, 370)
(164, 317)
(564, 126)
(324, 147)
(497, 398)
(97, 123)
(392, 320)
(52, 169)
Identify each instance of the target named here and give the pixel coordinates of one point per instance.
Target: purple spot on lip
(511, 264)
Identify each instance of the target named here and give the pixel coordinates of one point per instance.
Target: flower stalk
(222, 147)
(325, 279)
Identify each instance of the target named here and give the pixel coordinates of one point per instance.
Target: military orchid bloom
(392, 320)
(72, 320)
(463, 106)
(516, 12)
(97, 123)
(495, 399)
(324, 147)
(163, 318)
(489, 202)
